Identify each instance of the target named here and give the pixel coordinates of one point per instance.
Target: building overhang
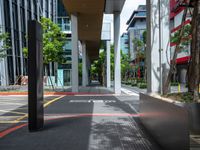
(112, 6)
(90, 19)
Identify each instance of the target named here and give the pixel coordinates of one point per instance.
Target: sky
(129, 7)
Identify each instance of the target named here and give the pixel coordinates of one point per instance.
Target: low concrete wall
(166, 122)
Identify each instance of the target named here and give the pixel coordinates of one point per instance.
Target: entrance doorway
(67, 77)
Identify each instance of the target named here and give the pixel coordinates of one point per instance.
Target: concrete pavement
(84, 122)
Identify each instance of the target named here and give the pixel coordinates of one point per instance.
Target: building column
(108, 64)
(158, 40)
(117, 73)
(88, 70)
(75, 53)
(84, 66)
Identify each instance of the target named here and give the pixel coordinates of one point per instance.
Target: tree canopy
(98, 65)
(53, 42)
(5, 45)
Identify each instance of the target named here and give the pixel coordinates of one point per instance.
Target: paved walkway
(84, 122)
(174, 89)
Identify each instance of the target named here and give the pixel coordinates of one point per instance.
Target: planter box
(167, 122)
(194, 117)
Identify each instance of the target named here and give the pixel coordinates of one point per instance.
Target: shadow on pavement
(84, 132)
(58, 134)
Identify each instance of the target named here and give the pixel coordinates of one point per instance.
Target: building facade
(136, 27)
(64, 70)
(14, 16)
(184, 55)
(124, 44)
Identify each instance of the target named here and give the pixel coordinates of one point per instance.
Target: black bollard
(35, 77)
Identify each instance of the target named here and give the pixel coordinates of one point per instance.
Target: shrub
(174, 84)
(128, 82)
(142, 85)
(140, 80)
(134, 83)
(187, 97)
(123, 82)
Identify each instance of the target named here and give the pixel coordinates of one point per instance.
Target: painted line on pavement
(128, 92)
(6, 132)
(25, 115)
(92, 101)
(132, 107)
(61, 116)
(45, 105)
(13, 112)
(94, 95)
(21, 118)
(8, 116)
(54, 100)
(10, 122)
(8, 103)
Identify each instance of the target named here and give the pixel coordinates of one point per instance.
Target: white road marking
(92, 101)
(128, 92)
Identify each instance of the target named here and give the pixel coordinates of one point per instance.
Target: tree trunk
(145, 64)
(173, 63)
(197, 52)
(47, 73)
(191, 75)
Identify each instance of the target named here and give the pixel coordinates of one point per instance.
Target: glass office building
(14, 16)
(64, 70)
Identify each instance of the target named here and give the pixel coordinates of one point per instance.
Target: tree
(125, 66)
(98, 66)
(194, 65)
(183, 45)
(53, 42)
(179, 38)
(144, 35)
(140, 51)
(5, 44)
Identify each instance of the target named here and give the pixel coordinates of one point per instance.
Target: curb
(51, 93)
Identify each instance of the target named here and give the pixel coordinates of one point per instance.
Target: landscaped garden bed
(185, 97)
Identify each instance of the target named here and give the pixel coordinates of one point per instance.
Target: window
(22, 14)
(143, 13)
(22, 3)
(60, 9)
